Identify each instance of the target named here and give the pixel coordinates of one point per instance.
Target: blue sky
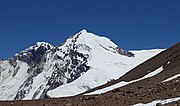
(132, 24)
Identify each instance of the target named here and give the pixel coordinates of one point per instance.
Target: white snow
(157, 71)
(106, 64)
(163, 102)
(171, 78)
(38, 44)
(123, 83)
(10, 85)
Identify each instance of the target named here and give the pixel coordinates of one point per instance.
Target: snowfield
(105, 67)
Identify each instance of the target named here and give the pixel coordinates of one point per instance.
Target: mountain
(89, 70)
(106, 67)
(83, 62)
(154, 82)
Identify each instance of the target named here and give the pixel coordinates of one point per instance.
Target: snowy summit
(82, 62)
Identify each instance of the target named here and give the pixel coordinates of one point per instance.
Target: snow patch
(123, 83)
(163, 102)
(171, 78)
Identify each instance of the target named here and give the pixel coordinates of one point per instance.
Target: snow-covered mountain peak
(41, 44)
(83, 31)
(94, 42)
(32, 55)
(44, 67)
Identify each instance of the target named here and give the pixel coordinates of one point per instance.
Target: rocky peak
(32, 55)
(123, 52)
(40, 44)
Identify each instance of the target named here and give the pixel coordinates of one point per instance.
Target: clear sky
(132, 24)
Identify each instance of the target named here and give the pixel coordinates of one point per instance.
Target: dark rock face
(74, 65)
(69, 66)
(31, 57)
(123, 52)
(118, 50)
(77, 66)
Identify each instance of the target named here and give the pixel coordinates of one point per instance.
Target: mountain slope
(106, 66)
(42, 67)
(152, 85)
(162, 61)
(154, 82)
